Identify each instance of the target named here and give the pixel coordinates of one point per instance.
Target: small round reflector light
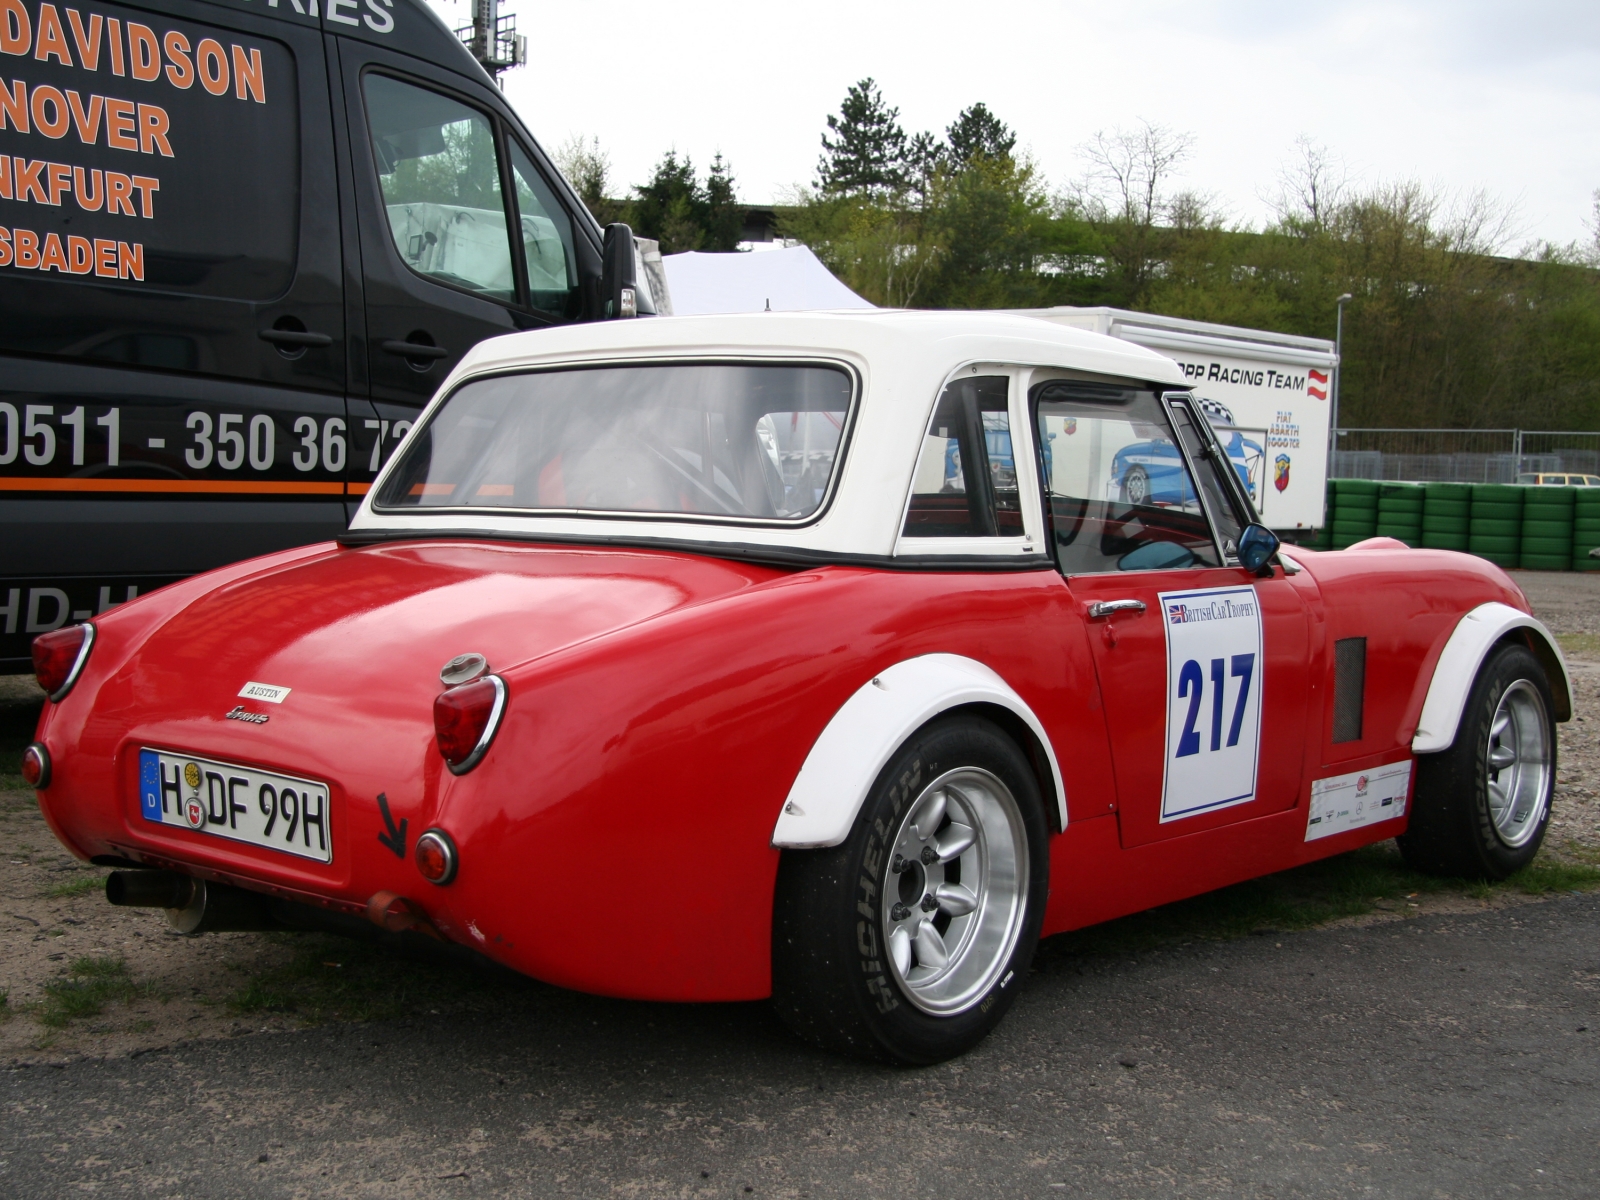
(436, 857)
(58, 658)
(36, 766)
(465, 719)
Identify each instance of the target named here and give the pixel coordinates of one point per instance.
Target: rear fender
(1476, 634)
(875, 722)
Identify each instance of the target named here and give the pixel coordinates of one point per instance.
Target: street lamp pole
(1338, 363)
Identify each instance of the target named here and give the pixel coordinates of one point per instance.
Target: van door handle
(294, 337)
(413, 349)
(1104, 608)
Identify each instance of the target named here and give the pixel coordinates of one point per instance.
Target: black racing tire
(1454, 831)
(834, 982)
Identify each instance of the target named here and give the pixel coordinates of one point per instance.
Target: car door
(462, 236)
(1200, 663)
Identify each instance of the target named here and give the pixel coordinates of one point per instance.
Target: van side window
(441, 186)
(546, 241)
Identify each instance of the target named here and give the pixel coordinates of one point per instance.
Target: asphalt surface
(1445, 1056)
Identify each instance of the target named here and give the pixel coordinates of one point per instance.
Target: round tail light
(465, 719)
(58, 658)
(436, 857)
(36, 766)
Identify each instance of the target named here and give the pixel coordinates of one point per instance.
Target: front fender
(1475, 635)
(870, 726)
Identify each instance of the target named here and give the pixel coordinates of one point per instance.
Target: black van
(241, 242)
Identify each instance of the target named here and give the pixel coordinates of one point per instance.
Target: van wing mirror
(619, 286)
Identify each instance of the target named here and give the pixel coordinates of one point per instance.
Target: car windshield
(735, 441)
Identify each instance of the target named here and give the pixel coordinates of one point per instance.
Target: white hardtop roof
(902, 359)
(1201, 337)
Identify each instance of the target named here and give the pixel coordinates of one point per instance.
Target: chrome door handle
(1104, 608)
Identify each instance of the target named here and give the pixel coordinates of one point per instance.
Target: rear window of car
(711, 441)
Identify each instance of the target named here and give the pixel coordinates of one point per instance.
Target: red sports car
(809, 656)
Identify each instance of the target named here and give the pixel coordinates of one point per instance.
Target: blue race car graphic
(1152, 472)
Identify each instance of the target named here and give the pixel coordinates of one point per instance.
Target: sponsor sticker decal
(1343, 802)
(1280, 472)
(270, 693)
(1214, 652)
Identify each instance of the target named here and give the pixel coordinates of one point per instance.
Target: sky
(1464, 96)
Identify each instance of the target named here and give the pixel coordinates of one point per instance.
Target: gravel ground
(185, 983)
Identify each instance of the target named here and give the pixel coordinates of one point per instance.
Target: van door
(171, 328)
(462, 237)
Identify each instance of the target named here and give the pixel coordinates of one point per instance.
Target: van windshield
(712, 440)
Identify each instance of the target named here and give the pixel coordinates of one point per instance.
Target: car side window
(1118, 491)
(965, 484)
(546, 235)
(1220, 500)
(440, 176)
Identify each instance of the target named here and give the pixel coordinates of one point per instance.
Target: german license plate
(279, 812)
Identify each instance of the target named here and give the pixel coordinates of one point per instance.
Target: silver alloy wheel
(1518, 763)
(1137, 486)
(955, 890)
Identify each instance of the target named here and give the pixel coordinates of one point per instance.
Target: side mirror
(619, 288)
(1257, 544)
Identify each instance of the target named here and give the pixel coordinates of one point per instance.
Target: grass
(91, 984)
(1349, 885)
(1584, 644)
(329, 978)
(76, 887)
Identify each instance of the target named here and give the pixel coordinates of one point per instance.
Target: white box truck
(1267, 395)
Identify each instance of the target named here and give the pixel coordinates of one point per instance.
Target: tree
(867, 152)
(681, 213)
(978, 133)
(1124, 192)
(588, 169)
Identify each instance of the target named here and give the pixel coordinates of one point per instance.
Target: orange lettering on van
(144, 52)
(121, 129)
(146, 187)
(55, 125)
(153, 128)
(130, 261)
(212, 60)
(88, 41)
(80, 255)
(52, 39)
(55, 255)
(88, 123)
(181, 73)
(247, 75)
(60, 177)
(16, 30)
(5, 177)
(29, 183)
(114, 40)
(119, 194)
(105, 258)
(14, 106)
(27, 248)
(87, 202)
(5, 246)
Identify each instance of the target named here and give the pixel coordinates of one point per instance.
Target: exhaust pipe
(193, 906)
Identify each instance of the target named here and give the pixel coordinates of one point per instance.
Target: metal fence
(1463, 455)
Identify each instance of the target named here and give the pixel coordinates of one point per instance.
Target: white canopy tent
(788, 280)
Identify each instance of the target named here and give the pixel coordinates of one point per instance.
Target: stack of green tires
(1447, 516)
(1585, 528)
(1547, 514)
(1494, 529)
(1322, 536)
(1355, 511)
(1400, 512)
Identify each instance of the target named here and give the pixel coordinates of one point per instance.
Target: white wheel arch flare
(875, 722)
(1475, 635)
